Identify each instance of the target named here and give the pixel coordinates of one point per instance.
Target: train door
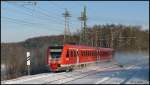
(77, 56)
(67, 57)
(97, 56)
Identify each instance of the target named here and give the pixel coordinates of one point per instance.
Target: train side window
(94, 53)
(67, 55)
(81, 53)
(74, 53)
(86, 53)
(71, 53)
(89, 53)
(100, 53)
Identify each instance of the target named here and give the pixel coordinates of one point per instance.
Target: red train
(67, 57)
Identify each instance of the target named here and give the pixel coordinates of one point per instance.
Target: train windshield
(55, 52)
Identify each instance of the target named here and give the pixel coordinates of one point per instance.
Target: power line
(40, 18)
(56, 6)
(39, 12)
(25, 22)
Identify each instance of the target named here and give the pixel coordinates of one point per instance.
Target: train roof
(79, 46)
(56, 46)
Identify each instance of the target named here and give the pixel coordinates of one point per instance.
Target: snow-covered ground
(135, 70)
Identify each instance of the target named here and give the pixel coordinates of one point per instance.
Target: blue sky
(22, 22)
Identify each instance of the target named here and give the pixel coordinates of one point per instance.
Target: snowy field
(135, 70)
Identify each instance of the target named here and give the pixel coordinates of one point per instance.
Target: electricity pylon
(66, 29)
(83, 19)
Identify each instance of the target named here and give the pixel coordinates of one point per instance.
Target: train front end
(54, 57)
